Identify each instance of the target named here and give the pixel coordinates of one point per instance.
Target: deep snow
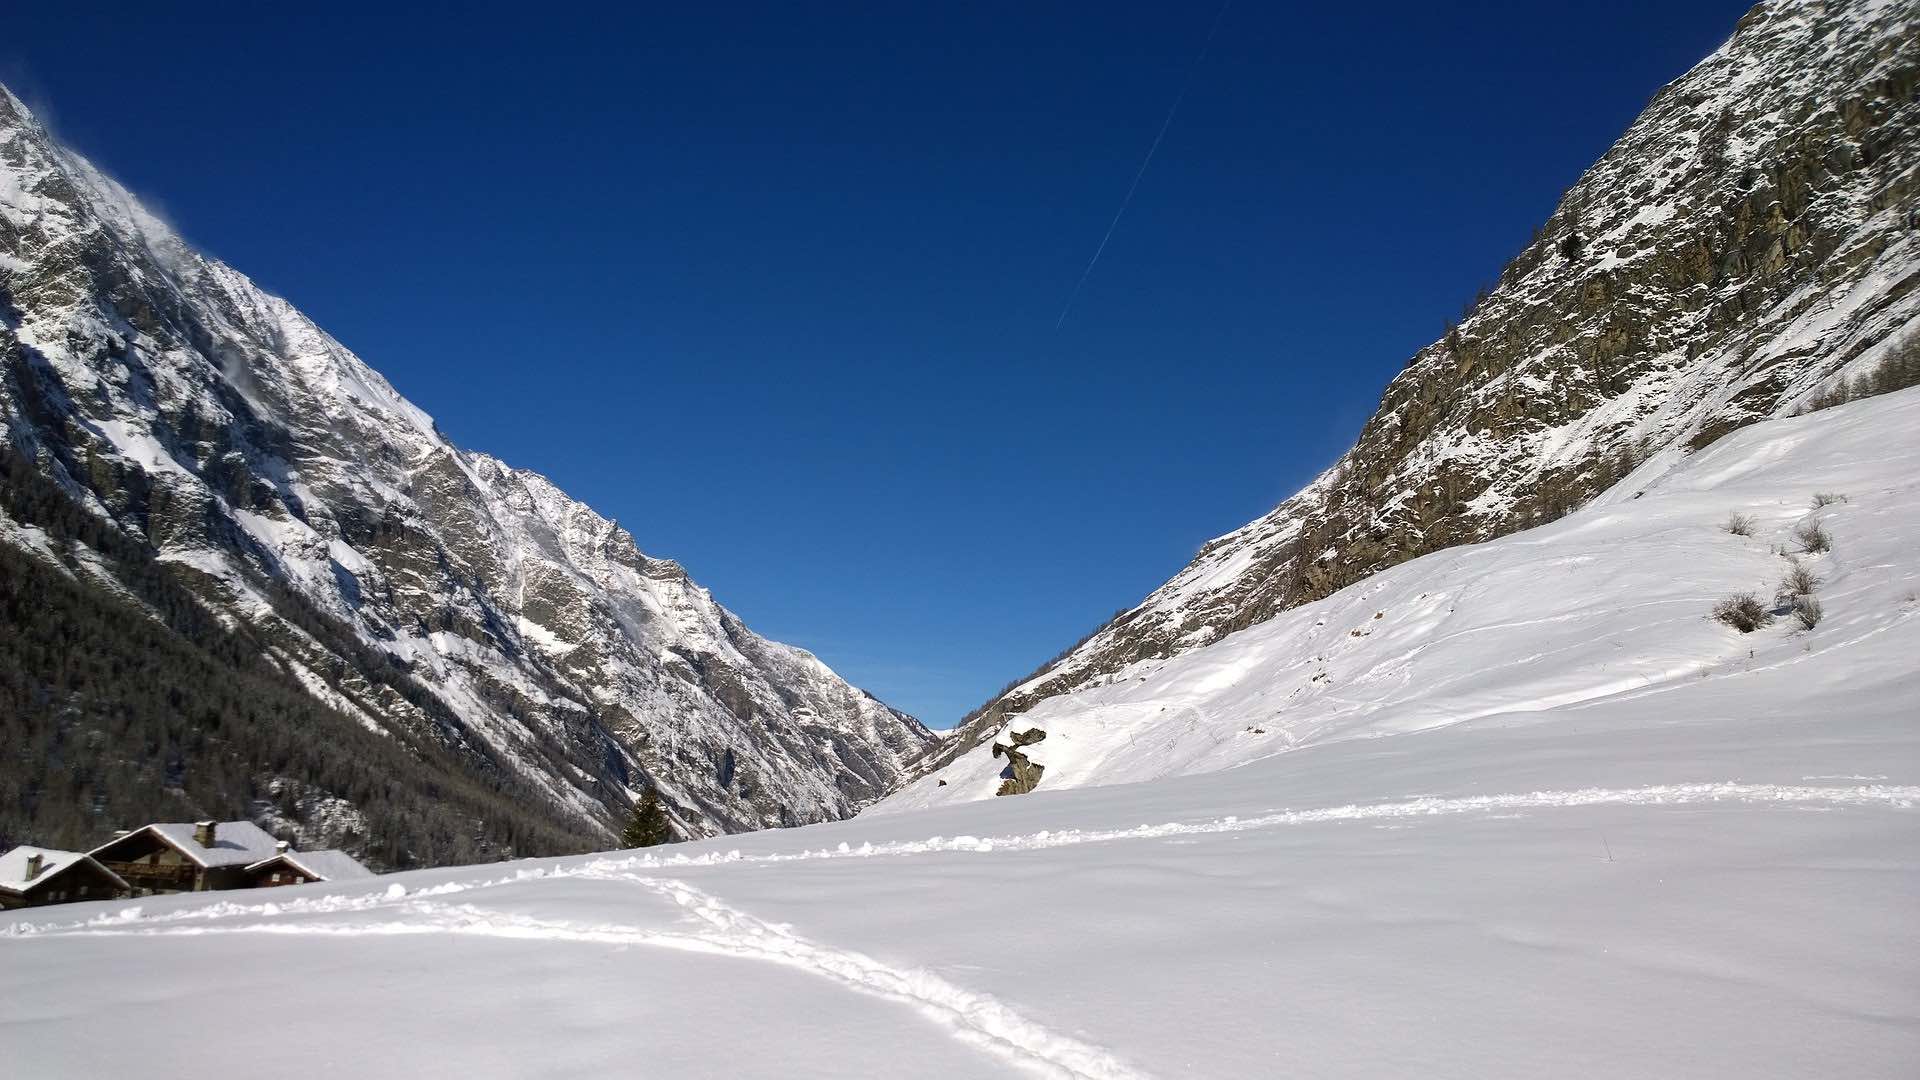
(1546, 821)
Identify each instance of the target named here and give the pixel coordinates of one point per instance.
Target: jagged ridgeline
(1750, 237)
(285, 595)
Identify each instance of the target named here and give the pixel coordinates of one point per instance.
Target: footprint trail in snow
(976, 1019)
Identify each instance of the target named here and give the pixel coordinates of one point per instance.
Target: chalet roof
(330, 864)
(13, 867)
(235, 843)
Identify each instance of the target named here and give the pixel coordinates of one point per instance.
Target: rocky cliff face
(1751, 235)
(294, 489)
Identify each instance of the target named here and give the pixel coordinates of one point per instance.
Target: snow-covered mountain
(1608, 837)
(305, 499)
(1750, 237)
(1609, 608)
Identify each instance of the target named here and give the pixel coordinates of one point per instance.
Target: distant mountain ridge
(291, 488)
(1750, 236)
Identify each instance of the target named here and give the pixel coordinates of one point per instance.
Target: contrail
(1144, 162)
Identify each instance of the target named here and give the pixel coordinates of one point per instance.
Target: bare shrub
(1807, 612)
(1827, 498)
(1739, 524)
(1744, 612)
(1814, 538)
(1799, 581)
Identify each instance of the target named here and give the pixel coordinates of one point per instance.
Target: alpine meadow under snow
(1568, 726)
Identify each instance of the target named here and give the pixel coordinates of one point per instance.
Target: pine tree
(648, 825)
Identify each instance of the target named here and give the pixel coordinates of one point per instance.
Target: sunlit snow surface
(1546, 821)
(1605, 608)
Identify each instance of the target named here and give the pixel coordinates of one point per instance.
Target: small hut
(32, 876)
(305, 867)
(169, 857)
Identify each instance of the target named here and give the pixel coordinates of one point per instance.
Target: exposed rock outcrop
(296, 490)
(1748, 237)
(1022, 774)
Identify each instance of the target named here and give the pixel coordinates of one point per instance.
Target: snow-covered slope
(1607, 838)
(1738, 249)
(274, 469)
(1608, 605)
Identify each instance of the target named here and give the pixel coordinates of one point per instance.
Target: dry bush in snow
(1807, 611)
(1744, 612)
(1799, 580)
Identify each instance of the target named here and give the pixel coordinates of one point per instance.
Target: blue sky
(775, 286)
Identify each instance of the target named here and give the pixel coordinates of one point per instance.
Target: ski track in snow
(1895, 796)
(974, 1018)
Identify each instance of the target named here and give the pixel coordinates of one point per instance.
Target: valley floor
(1601, 897)
(1710, 872)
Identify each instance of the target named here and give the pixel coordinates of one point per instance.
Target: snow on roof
(13, 866)
(235, 843)
(330, 864)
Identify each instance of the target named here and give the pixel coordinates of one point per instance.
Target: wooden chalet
(170, 857)
(304, 868)
(32, 876)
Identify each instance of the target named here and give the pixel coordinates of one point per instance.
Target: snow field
(1548, 820)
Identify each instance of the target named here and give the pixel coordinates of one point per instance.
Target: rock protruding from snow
(1022, 773)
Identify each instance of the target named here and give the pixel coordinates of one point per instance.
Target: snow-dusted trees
(1899, 369)
(123, 700)
(649, 825)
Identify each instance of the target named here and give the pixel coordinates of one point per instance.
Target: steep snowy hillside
(1748, 238)
(1609, 605)
(1609, 838)
(300, 495)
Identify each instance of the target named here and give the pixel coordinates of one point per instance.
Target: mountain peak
(1735, 251)
(287, 481)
